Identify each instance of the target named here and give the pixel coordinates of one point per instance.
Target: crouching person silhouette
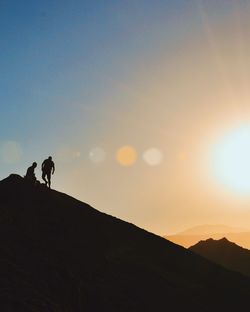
(30, 174)
(48, 168)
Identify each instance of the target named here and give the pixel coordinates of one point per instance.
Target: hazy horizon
(142, 106)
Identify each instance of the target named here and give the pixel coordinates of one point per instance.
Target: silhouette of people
(30, 174)
(48, 168)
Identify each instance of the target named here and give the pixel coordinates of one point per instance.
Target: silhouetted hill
(225, 253)
(193, 235)
(59, 254)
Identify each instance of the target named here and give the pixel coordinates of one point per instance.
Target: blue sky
(57, 54)
(80, 75)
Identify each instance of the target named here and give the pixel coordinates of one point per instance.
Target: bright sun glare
(231, 160)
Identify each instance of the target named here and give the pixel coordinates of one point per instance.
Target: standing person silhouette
(48, 168)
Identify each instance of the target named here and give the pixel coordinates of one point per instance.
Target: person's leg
(44, 177)
(34, 180)
(49, 178)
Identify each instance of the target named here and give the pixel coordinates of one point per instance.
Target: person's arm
(42, 165)
(53, 168)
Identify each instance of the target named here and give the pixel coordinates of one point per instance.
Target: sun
(231, 160)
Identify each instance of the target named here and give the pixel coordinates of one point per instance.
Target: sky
(142, 105)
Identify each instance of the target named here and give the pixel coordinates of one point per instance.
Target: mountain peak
(15, 182)
(211, 241)
(214, 245)
(194, 235)
(12, 179)
(226, 253)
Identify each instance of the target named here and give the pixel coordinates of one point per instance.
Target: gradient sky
(173, 75)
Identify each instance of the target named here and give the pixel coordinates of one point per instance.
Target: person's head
(34, 165)
(50, 158)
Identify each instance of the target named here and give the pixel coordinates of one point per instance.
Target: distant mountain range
(211, 229)
(192, 236)
(59, 254)
(225, 253)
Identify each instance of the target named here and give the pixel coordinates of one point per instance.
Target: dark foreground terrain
(59, 254)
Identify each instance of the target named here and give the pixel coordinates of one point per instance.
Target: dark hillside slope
(59, 254)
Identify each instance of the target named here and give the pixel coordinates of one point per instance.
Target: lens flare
(182, 156)
(97, 155)
(126, 156)
(153, 157)
(11, 152)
